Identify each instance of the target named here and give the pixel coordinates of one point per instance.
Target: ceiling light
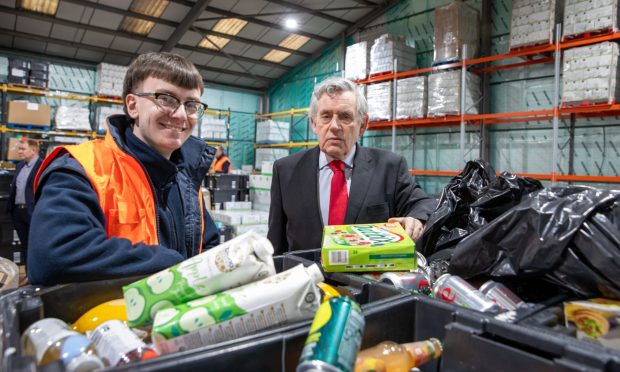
(292, 41)
(208, 42)
(40, 6)
(229, 26)
(290, 23)
(153, 8)
(276, 56)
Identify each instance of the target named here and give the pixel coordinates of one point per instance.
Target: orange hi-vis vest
(122, 186)
(218, 164)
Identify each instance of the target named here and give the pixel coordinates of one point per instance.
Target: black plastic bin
(227, 181)
(477, 341)
(263, 351)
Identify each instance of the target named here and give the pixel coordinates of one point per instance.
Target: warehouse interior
(520, 86)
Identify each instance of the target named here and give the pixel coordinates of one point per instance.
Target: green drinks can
(335, 337)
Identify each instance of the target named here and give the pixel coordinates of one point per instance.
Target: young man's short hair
(169, 67)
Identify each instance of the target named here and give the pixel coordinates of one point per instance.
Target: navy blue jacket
(68, 241)
(29, 186)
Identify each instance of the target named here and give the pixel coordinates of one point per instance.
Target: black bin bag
(567, 235)
(469, 201)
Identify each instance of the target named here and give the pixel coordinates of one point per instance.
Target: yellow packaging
(111, 310)
(596, 319)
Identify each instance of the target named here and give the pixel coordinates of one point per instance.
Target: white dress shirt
(325, 180)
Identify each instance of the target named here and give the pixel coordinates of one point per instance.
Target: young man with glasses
(129, 204)
(340, 182)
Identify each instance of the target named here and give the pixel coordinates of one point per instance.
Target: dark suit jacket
(29, 186)
(381, 187)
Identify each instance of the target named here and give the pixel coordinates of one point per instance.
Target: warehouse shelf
(87, 134)
(285, 145)
(540, 176)
(534, 55)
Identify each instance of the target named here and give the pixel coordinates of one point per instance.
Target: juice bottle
(397, 357)
(114, 309)
(118, 345)
(50, 340)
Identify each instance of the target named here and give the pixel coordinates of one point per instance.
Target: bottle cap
(85, 363)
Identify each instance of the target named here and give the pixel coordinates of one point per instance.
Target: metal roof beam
(365, 20)
(254, 20)
(106, 31)
(165, 22)
(185, 24)
(311, 11)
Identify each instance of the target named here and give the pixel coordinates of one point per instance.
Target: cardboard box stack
(73, 118)
(73, 79)
(533, 22)
(271, 131)
(411, 97)
(213, 128)
(260, 187)
(356, 61)
(109, 79)
(590, 73)
(379, 97)
(456, 24)
(29, 113)
(582, 16)
(385, 49)
(102, 114)
(27, 72)
(19, 69)
(444, 93)
(268, 155)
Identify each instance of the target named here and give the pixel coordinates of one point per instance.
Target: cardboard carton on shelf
(29, 113)
(12, 145)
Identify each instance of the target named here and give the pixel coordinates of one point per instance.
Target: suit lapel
(363, 166)
(305, 181)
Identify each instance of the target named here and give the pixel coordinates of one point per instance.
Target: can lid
(485, 287)
(85, 363)
(315, 273)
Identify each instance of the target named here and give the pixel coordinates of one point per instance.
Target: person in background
(339, 181)
(130, 204)
(21, 197)
(221, 163)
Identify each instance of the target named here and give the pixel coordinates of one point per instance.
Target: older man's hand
(412, 226)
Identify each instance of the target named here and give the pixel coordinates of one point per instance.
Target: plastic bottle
(109, 310)
(118, 345)
(392, 357)
(50, 340)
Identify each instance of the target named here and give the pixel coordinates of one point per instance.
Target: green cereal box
(244, 259)
(369, 247)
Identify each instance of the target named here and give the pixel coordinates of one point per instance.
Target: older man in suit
(21, 198)
(341, 182)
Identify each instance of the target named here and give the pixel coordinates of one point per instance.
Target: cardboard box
(12, 145)
(28, 113)
(597, 319)
(368, 247)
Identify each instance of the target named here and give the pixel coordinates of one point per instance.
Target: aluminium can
(413, 281)
(501, 295)
(335, 337)
(454, 289)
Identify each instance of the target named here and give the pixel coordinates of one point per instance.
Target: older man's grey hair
(337, 85)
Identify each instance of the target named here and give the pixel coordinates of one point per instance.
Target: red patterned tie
(338, 196)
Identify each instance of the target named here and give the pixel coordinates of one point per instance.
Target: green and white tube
(242, 260)
(285, 297)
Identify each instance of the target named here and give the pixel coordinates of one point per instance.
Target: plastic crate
(265, 350)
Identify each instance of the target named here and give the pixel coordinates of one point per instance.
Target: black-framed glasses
(169, 104)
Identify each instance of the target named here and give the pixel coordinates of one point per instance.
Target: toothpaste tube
(285, 297)
(242, 260)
